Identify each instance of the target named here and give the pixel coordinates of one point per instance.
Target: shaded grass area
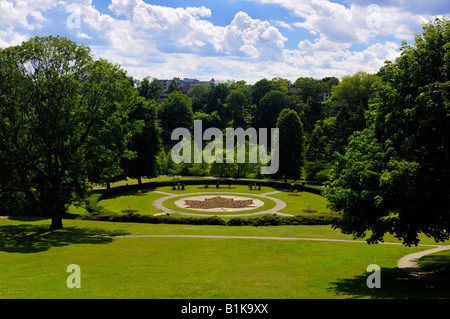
(438, 265)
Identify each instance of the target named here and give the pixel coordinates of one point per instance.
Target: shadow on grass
(36, 238)
(394, 285)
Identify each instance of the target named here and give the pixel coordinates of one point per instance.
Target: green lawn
(129, 200)
(35, 266)
(299, 201)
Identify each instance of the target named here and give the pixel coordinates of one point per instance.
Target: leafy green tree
(310, 88)
(342, 114)
(146, 144)
(394, 177)
(216, 99)
(208, 120)
(237, 104)
(269, 109)
(260, 89)
(176, 113)
(151, 89)
(291, 145)
(199, 93)
(63, 123)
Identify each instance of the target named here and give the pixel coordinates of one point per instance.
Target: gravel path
(410, 263)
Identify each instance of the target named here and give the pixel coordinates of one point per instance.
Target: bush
(317, 171)
(265, 220)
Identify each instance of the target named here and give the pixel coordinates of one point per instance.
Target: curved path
(279, 204)
(410, 263)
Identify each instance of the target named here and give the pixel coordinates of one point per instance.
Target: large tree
(395, 176)
(146, 144)
(176, 113)
(291, 145)
(151, 89)
(269, 109)
(63, 121)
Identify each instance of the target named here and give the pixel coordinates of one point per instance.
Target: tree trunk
(56, 222)
(140, 181)
(56, 210)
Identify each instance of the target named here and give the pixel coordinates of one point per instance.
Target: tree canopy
(292, 142)
(63, 122)
(395, 176)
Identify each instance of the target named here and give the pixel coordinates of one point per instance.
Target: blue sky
(229, 39)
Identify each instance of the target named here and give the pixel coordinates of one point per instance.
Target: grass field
(128, 200)
(297, 202)
(35, 266)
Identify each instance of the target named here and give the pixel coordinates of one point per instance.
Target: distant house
(184, 84)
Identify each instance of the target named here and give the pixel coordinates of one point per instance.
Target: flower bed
(218, 202)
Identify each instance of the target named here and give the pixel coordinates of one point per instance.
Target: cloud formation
(333, 39)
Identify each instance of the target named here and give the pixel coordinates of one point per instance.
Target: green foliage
(265, 220)
(394, 177)
(317, 172)
(269, 109)
(291, 145)
(63, 121)
(146, 144)
(150, 89)
(176, 113)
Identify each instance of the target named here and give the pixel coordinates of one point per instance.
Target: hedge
(264, 220)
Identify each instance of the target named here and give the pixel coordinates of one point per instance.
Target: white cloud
(15, 13)
(83, 35)
(201, 11)
(9, 38)
(164, 42)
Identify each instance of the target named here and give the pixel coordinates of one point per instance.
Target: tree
(199, 93)
(344, 113)
(394, 177)
(216, 98)
(269, 109)
(291, 145)
(63, 122)
(237, 104)
(176, 112)
(260, 89)
(150, 89)
(208, 120)
(146, 144)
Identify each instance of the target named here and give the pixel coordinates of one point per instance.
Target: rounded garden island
(219, 203)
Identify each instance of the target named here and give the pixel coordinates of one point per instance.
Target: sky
(228, 39)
